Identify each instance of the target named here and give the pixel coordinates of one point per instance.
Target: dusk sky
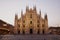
(8, 8)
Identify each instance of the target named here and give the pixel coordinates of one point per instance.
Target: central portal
(31, 31)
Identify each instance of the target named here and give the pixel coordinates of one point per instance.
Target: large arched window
(23, 21)
(30, 22)
(38, 25)
(18, 25)
(42, 25)
(23, 25)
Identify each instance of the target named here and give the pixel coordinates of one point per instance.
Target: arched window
(18, 25)
(30, 22)
(23, 25)
(37, 25)
(23, 21)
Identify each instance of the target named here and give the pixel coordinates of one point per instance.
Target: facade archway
(18, 31)
(31, 31)
(43, 31)
(38, 32)
(23, 32)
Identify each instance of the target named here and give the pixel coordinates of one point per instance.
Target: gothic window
(37, 25)
(24, 21)
(18, 25)
(30, 22)
(23, 25)
(30, 15)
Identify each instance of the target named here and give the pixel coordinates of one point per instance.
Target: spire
(27, 8)
(40, 12)
(34, 8)
(16, 24)
(21, 13)
(46, 24)
(46, 16)
(16, 16)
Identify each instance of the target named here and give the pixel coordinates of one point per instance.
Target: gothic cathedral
(31, 22)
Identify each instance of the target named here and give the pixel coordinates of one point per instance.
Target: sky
(8, 9)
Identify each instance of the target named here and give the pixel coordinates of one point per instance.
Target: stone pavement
(29, 37)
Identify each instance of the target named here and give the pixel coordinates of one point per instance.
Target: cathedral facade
(31, 22)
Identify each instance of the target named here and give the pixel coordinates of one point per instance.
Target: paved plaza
(29, 37)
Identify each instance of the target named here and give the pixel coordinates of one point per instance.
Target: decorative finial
(40, 12)
(21, 13)
(46, 16)
(34, 8)
(16, 16)
(27, 8)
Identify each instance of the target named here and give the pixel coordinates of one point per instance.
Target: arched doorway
(18, 31)
(43, 31)
(23, 32)
(31, 31)
(38, 32)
